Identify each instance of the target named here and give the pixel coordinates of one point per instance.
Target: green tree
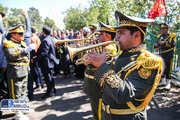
(75, 18)
(3, 9)
(50, 23)
(35, 18)
(15, 16)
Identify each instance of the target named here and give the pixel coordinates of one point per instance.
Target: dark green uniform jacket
(127, 82)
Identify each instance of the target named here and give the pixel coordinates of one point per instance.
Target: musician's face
(103, 37)
(124, 38)
(164, 30)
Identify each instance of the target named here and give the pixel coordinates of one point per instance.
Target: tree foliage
(35, 18)
(50, 23)
(99, 10)
(75, 18)
(15, 16)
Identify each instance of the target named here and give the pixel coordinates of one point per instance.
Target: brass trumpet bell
(75, 51)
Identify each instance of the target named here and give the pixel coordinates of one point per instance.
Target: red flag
(159, 8)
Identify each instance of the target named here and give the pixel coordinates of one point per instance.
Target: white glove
(30, 48)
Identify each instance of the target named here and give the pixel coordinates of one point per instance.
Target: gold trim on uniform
(149, 61)
(167, 50)
(18, 29)
(9, 44)
(137, 49)
(20, 64)
(132, 58)
(131, 23)
(144, 73)
(88, 76)
(99, 109)
(17, 53)
(164, 26)
(111, 79)
(14, 40)
(12, 89)
(109, 110)
(107, 29)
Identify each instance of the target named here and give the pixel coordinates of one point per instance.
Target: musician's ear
(137, 34)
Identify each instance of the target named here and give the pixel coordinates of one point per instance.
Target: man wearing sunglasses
(17, 55)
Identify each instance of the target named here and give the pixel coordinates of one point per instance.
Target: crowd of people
(119, 83)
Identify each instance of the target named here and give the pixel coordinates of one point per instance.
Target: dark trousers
(168, 59)
(49, 80)
(96, 107)
(35, 74)
(3, 86)
(65, 64)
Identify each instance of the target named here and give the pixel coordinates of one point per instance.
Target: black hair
(135, 29)
(46, 30)
(33, 29)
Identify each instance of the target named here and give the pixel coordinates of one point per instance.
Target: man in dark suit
(47, 59)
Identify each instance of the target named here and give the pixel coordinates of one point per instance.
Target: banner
(159, 8)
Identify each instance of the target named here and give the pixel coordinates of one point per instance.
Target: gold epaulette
(9, 44)
(173, 35)
(159, 35)
(147, 61)
(23, 43)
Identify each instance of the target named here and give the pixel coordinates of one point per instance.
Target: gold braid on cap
(164, 26)
(17, 30)
(107, 29)
(133, 24)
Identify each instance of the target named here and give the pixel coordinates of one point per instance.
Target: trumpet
(70, 40)
(90, 36)
(97, 47)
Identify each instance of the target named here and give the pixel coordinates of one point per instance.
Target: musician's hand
(155, 45)
(161, 42)
(96, 59)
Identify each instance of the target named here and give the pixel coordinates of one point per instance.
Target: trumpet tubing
(96, 47)
(70, 40)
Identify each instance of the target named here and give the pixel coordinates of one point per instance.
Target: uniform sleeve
(3, 62)
(158, 39)
(27, 36)
(171, 41)
(13, 54)
(123, 90)
(2, 29)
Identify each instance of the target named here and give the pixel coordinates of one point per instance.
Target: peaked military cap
(163, 25)
(17, 29)
(93, 26)
(2, 14)
(129, 21)
(106, 28)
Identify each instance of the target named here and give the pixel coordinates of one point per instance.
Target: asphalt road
(70, 103)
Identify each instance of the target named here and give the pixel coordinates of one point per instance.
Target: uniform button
(132, 59)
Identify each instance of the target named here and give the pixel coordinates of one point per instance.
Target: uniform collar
(14, 40)
(134, 50)
(19, 42)
(137, 49)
